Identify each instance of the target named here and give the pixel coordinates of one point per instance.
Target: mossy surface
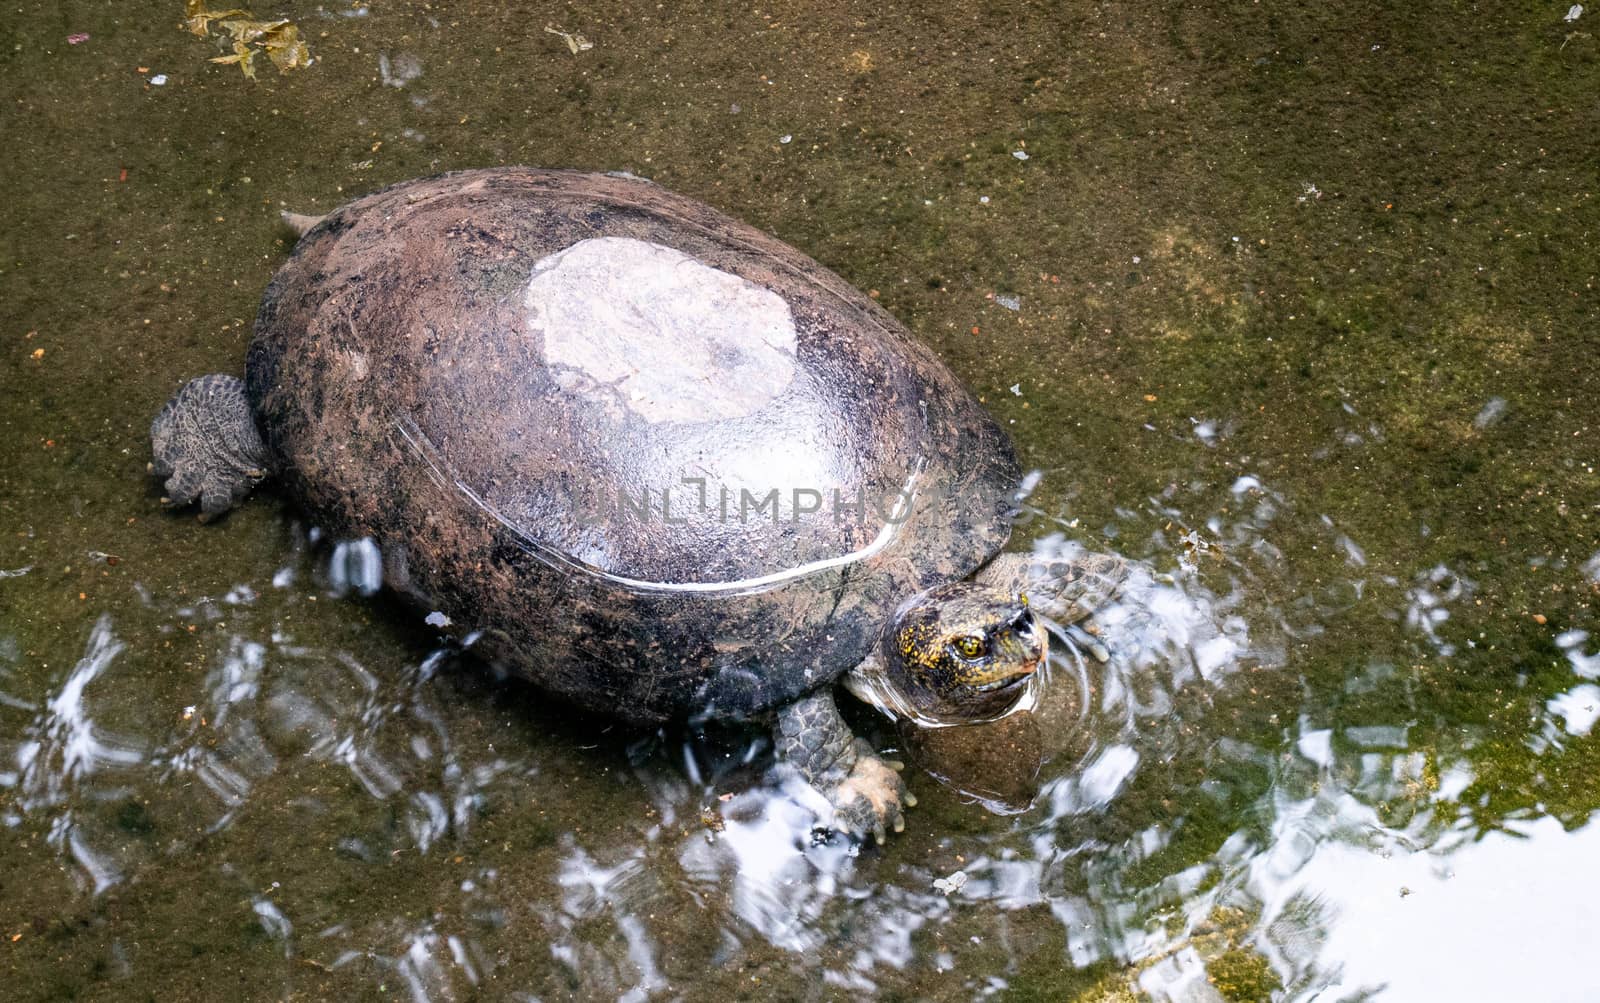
(1344, 250)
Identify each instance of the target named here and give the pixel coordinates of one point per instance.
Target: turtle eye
(970, 646)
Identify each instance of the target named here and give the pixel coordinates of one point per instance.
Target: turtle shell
(655, 460)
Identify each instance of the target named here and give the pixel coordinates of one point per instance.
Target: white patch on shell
(652, 329)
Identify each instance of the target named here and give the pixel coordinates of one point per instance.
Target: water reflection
(63, 760)
(1573, 644)
(1350, 906)
(1203, 810)
(1429, 601)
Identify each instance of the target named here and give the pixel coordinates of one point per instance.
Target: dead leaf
(198, 19)
(244, 56)
(280, 39)
(286, 50)
(250, 31)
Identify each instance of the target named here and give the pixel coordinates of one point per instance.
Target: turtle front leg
(205, 443)
(1067, 590)
(866, 792)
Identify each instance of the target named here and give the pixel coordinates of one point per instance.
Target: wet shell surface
(657, 461)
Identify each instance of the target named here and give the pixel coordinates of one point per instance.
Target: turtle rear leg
(206, 444)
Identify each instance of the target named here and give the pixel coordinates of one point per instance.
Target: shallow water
(1297, 307)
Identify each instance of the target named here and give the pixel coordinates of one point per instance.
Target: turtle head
(963, 651)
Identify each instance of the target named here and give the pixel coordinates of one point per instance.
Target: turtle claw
(910, 800)
(865, 793)
(1093, 645)
(869, 800)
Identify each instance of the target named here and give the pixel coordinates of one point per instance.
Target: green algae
(1356, 226)
(1243, 976)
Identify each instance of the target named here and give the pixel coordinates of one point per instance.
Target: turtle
(654, 460)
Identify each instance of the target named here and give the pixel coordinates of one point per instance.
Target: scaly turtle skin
(206, 445)
(653, 459)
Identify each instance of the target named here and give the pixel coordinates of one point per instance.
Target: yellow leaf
(280, 39)
(244, 56)
(286, 50)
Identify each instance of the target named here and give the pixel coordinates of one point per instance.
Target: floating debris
(951, 884)
(576, 42)
(159, 80)
(280, 40)
(1020, 154)
(79, 37)
(1008, 301)
(198, 20)
(1573, 13)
